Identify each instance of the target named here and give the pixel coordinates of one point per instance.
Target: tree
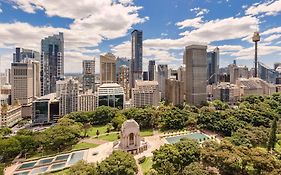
(83, 168)
(272, 137)
(176, 156)
(5, 131)
(118, 120)
(196, 169)
(102, 115)
(86, 127)
(118, 162)
(9, 148)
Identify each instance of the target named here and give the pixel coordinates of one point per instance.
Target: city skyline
(94, 28)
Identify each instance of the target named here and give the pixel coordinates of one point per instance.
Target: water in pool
(197, 136)
(27, 165)
(62, 157)
(45, 161)
(75, 157)
(39, 170)
(57, 166)
(22, 173)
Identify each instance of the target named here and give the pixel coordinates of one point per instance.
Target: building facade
(174, 91)
(87, 101)
(136, 60)
(10, 115)
(151, 70)
(25, 81)
(45, 110)
(236, 72)
(22, 54)
(52, 62)
(88, 75)
(146, 93)
(68, 91)
(107, 68)
(112, 95)
(195, 59)
(213, 66)
(162, 75)
(123, 80)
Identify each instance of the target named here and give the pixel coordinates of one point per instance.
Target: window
(131, 139)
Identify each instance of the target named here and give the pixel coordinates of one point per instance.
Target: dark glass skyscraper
(151, 70)
(52, 62)
(213, 66)
(22, 54)
(136, 63)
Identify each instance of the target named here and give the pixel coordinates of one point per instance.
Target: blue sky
(94, 27)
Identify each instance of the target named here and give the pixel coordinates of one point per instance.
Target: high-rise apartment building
(163, 74)
(174, 91)
(22, 54)
(145, 93)
(25, 81)
(195, 59)
(136, 60)
(88, 75)
(107, 68)
(123, 80)
(151, 70)
(68, 91)
(52, 62)
(213, 66)
(87, 101)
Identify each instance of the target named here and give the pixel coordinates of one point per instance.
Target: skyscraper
(213, 66)
(67, 93)
(195, 59)
(107, 68)
(52, 62)
(123, 80)
(24, 54)
(163, 74)
(136, 60)
(25, 81)
(151, 70)
(88, 75)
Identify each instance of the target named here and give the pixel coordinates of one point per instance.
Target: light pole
(256, 39)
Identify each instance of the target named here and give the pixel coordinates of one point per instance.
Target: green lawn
(146, 165)
(92, 131)
(83, 145)
(146, 132)
(109, 137)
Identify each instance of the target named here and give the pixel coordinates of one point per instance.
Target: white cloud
(272, 7)
(272, 31)
(199, 11)
(272, 38)
(1, 11)
(195, 22)
(93, 22)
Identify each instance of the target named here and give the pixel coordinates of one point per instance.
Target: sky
(95, 27)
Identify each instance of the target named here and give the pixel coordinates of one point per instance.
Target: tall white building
(146, 93)
(25, 81)
(67, 93)
(87, 101)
